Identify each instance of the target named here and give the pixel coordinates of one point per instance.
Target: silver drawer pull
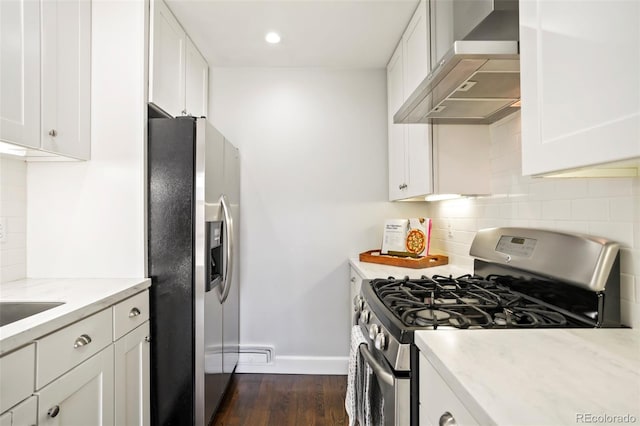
(81, 341)
(53, 411)
(134, 312)
(446, 419)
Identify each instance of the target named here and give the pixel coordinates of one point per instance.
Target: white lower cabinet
(355, 284)
(23, 414)
(92, 372)
(132, 378)
(83, 396)
(439, 405)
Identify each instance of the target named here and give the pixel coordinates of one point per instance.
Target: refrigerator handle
(229, 248)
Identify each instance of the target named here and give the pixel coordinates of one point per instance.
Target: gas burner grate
(467, 302)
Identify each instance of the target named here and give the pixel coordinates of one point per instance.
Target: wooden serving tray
(374, 256)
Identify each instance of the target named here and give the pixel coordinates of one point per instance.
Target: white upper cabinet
(45, 75)
(415, 43)
(397, 143)
(580, 82)
(66, 78)
(442, 32)
(197, 82)
(409, 144)
(167, 64)
(178, 74)
(20, 72)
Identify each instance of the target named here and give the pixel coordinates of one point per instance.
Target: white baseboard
(332, 365)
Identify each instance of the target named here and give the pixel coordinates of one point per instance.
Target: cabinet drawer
(437, 400)
(129, 314)
(17, 376)
(68, 347)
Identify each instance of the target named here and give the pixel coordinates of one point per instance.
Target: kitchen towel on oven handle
(357, 374)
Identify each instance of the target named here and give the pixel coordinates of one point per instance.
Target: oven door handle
(381, 371)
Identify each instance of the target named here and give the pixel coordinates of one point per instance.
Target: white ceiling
(315, 33)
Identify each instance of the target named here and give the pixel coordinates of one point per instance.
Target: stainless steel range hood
(478, 80)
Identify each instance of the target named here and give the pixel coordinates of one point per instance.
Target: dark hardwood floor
(282, 400)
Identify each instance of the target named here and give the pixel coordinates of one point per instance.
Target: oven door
(393, 391)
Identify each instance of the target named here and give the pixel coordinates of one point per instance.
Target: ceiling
(315, 33)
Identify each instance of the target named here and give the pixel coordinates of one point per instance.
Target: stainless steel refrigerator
(193, 217)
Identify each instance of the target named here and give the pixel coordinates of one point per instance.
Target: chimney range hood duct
(478, 80)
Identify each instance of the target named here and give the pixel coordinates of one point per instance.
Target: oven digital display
(518, 246)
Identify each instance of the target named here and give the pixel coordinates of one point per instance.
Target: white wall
(607, 208)
(13, 209)
(86, 219)
(313, 147)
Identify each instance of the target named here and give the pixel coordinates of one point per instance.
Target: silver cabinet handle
(403, 186)
(134, 312)
(81, 341)
(353, 279)
(53, 133)
(184, 112)
(53, 411)
(446, 419)
(147, 339)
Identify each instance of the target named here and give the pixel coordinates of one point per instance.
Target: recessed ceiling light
(272, 37)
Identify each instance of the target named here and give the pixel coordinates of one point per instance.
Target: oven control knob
(365, 315)
(358, 303)
(381, 341)
(373, 331)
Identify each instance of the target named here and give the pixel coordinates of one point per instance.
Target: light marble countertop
(82, 297)
(539, 377)
(375, 270)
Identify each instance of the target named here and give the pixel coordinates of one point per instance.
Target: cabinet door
(580, 83)
(20, 72)
(26, 413)
(197, 82)
(419, 160)
(355, 284)
(418, 172)
(397, 148)
(441, 29)
(167, 63)
(438, 404)
(66, 78)
(83, 396)
(132, 400)
(415, 43)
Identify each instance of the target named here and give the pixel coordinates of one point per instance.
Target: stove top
(477, 302)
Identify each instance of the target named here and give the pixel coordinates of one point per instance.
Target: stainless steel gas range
(523, 278)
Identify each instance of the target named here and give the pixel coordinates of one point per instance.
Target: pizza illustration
(416, 241)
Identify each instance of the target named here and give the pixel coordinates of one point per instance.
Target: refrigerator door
(214, 380)
(171, 227)
(231, 311)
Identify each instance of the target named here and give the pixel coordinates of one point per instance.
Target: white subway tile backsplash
(556, 209)
(621, 232)
(13, 207)
(610, 187)
(580, 227)
(530, 210)
(627, 288)
(570, 189)
(630, 261)
(590, 209)
(624, 209)
(541, 189)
